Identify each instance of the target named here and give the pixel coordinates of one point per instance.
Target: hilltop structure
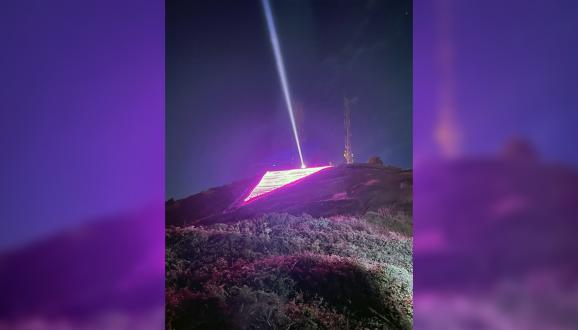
(347, 153)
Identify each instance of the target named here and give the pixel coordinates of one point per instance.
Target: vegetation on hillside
(281, 271)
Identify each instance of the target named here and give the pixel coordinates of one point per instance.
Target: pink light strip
(273, 180)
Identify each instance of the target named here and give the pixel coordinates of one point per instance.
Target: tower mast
(348, 153)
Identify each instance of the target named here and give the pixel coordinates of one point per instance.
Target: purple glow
(273, 180)
(281, 70)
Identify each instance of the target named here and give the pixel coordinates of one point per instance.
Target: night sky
(225, 116)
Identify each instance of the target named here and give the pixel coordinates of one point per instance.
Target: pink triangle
(273, 180)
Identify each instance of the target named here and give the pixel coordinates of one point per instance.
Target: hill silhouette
(106, 272)
(343, 190)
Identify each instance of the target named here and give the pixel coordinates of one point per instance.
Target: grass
(291, 272)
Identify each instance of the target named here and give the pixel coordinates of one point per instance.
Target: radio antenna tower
(348, 153)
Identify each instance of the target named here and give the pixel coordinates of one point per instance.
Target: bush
(392, 221)
(375, 160)
(281, 271)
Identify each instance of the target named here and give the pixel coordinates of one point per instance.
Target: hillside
(496, 244)
(342, 190)
(106, 271)
(332, 252)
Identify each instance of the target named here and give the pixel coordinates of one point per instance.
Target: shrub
(375, 160)
(393, 221)
(280, 271)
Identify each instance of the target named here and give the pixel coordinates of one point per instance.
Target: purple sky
(513, 72)
(81, 126)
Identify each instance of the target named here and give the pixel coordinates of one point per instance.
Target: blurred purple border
(82, 135)
(495, 175)
(82, 145)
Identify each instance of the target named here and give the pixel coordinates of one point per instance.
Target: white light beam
(281, 71)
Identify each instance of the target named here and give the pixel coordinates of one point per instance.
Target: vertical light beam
(281, 71)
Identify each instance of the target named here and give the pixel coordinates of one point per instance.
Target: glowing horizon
(281, 71)
(273, 180)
